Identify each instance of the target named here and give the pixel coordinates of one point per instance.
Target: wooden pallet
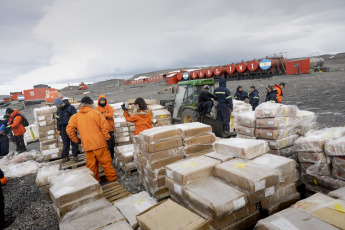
(114, 191)
(72, 165)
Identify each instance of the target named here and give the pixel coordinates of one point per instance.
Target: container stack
(73, 189)
(245, 125)
(123, 131)
(160, 117)
(197, 138)
(159, 147)
(306, 122)
(315, 150)
(125, 155)
(336, 149)
(239, 107)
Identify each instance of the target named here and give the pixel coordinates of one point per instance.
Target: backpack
(24, 120)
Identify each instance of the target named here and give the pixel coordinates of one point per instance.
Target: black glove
(124, 107)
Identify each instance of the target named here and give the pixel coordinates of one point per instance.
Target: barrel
(218, 70)
(230, 69)
(253, 65)
(194, 74)
(209, 72)
(201, 73)
(179, 76)
(241, 67)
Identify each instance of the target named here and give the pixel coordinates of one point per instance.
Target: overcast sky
(57, 41)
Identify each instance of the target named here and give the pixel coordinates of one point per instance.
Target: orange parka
(279, 93)
(92, 127)
(141, 120)
(108, 113)
(16, 124)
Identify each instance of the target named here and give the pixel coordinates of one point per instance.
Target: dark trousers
(111, 146)
(223, 115)
(20, 143)
(254, 106)
(2, 208)
(4, 145)
(66, 143)
(205, 107)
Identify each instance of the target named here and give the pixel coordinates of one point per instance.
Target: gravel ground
(320, 93)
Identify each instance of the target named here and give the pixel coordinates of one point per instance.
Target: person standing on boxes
(64, 112)
(224, 106)
(94, 135)
(108, 113)
(15, 122)
(141, 116)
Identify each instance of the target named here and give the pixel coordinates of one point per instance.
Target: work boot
(75, 159)
(208, 115)
(226, 134)
(65, 159)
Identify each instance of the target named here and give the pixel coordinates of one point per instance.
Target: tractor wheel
(189, 115)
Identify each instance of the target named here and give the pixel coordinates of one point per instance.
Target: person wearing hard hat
(205, 102)
(3, 223)
(141, 116)
(108, 112)
(64, 113)
(94, 135)
(15, 122)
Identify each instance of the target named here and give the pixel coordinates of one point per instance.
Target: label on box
(43, 123)
(270, 122)
(272, 143)
(247, 130)
(269, 134)
(41, 118)
(267, 112)
(247, 122)
(51, 132)
(239, 203)
(53, 146)
(169, 173)
(269, 191)
(178, 189)
(260, 185)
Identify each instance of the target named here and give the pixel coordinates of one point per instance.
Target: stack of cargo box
(125, 154)
(160, 116)
(197, 138)
(239, 107)
(159, 147)
(245, 125)
(123, 130)
(137, 158)
(43, 175)
(316, 212)
(315, 151)
(276, 123)
(73, 189)
(118, 112)
(306, 122)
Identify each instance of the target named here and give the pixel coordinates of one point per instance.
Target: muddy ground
(322, 93)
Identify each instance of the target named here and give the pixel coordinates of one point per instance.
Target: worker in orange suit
(279, 89)
(141, 116)
(94, 135)
(16, 123)
(108, 113)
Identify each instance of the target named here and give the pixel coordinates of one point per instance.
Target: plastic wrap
(154, 173)
(249, 176)
(239, 135)
(168, 215)
(94, 215)
(156, 183)
(131, 206)
(269, 109)
(21, 169)
(157, 164)
(338, 194)
(127, 166)
(70, 186)
(338, 170)
(160, 146)
(121, 225)
(336, 147)
(322, 181)
(160, 193)
(283, 142)
(175, 189)
(222, 157)
(317, 189)
(197, 150)
(44, 111)
(158, 134)
(305, 117)
(302, 130)
(312, 157)
(246, 119)
(214, 197)
(188, 170)
(292, 219)
(285, 152)
(275, 122)
(194, 129)
(200, 140)
(316, 169)
(284, 167)
(163, 154)
(45, 172)
(314, 141)
(324, 208)
(274, 134)
(242, 148)
(245, 130)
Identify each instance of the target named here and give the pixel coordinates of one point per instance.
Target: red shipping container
(299, 66)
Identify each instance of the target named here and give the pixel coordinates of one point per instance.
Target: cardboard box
(338, 169)
(292, 218)
(285, 152)
(160, 146)
(169, 215)
(194, 129)
(275, 122)
(318, 169)
(45, 173)
(283, 142)
(247, 222)
(324, 208)
(121, 225)
(158, 134)
(241, 148)
(221, 157)
(336, 147)
(154, 173)
(161, 114)
(282, 195)
(155, 183)
(323, 181)
(268, 109)
(245, 130)
(157, 164)
(200, 140)
(249, 176)
(154, 156)
(274, 134)
(155, 107)
(214, 197)
(174, 188)
(338, 194)
(302, 130)
(197, 150)
(188, 170)
(312, 157)
(162, 122)
(246, 119)
(239, 135)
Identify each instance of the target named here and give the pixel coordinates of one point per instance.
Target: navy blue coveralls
(224, 106)
(4, 141)
(254, 98)
(241, 95)
(63, 116)
(271, 97)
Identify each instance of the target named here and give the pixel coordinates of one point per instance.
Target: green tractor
(184, 108)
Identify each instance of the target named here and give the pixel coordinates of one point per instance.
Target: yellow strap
(287, 120)
(187, 164)
(286, 110)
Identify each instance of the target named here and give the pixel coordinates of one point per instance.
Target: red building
(14, 95)
(38, 93)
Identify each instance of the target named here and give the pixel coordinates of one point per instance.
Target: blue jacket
(241, 95)
(4, 126)
(223, 94)
(64, 114)
(272, 97)
(254, 98)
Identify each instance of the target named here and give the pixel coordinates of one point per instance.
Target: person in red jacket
(141, 116)
(15, 122)
(279, 89)
(3, 223)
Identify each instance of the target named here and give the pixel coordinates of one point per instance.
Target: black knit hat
(87, 100)
(9, 111)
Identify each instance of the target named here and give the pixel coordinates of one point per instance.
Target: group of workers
(225, 106)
